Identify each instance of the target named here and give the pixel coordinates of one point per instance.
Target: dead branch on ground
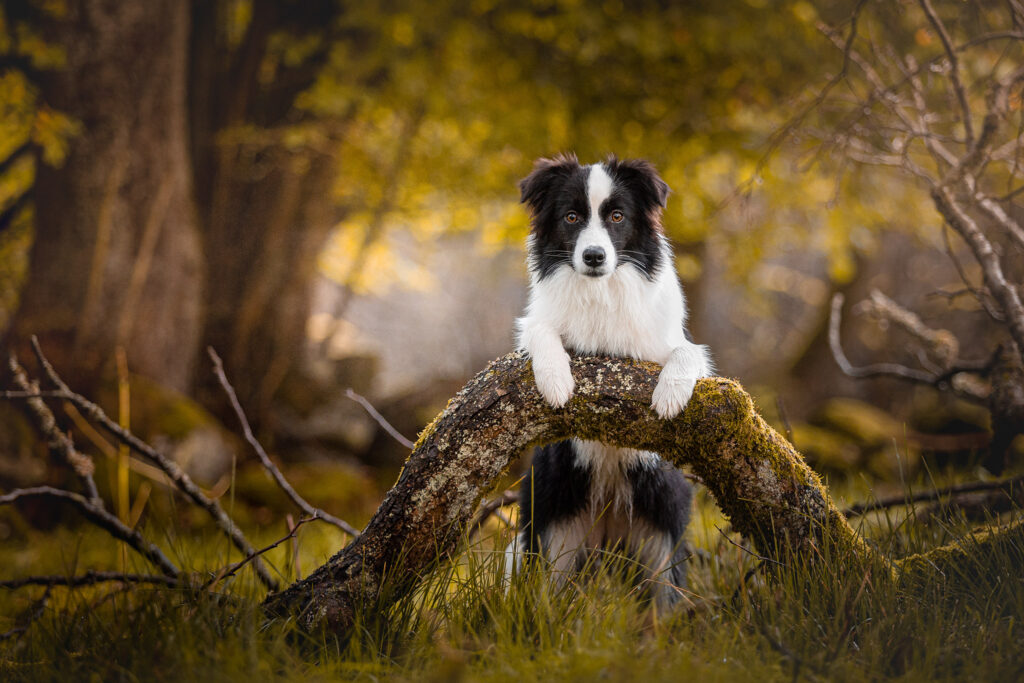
(182, 481)
(99, 516)
(1012, 486)
(268, 464)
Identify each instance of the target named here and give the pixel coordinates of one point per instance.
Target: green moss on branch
(760, 481)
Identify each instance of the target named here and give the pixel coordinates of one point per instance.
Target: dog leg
(685, 365)
(550, 363)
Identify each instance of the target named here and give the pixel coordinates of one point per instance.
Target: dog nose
(593, 256)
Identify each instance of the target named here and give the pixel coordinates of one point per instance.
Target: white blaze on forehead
(599, 188)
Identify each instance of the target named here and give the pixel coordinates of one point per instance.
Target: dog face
(594, 219)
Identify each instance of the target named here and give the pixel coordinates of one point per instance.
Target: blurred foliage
(24, 123)
(468, 100)
(444, 105)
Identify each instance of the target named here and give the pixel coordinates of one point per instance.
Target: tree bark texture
(764, 486)
(262, 244)
(266, 205)
(181, 217)
(116, 256)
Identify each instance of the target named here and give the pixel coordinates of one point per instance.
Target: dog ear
(534, 188)
(643, 179)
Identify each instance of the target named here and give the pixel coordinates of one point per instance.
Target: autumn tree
(930, 95)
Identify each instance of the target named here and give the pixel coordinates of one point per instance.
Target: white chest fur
(624, 314)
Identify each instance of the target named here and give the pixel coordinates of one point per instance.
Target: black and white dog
(603, 282)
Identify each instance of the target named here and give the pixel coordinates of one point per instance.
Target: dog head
(594, 219)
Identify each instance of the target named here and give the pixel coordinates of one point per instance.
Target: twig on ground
(231, 570)
(101, 518)
(490, 507)
(395, 434)
(59, 443)
(1007, 485)
(300, 502)
(776, 644)
(181, 479)
(89, 578)
(980, 506)
(108, 450)
(749, 574)
(750, 552)
(26, 619)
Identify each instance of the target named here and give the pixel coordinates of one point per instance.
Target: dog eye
(617, 216)
(571, 217)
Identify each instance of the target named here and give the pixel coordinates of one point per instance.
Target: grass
(797, 622)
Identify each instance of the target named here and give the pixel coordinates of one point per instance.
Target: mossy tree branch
(760, 481)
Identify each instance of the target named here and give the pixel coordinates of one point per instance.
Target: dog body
(602, 282)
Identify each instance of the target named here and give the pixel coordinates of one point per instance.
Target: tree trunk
(262, 247)
(266, 205)
(116, 257)
(762, 484)
(1006, 405)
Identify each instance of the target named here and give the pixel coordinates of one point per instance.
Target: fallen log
(759, 480)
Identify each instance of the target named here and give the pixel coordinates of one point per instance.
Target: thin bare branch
(942, 343)
(997, 103)
(954, 69)
(1011, 194)
(943, 157)
(992, 270)
(1007, 485)
(988, 38)
(992, 209)
(982, 295)
(48, 393)
(101, 518)
(60, 444)
(952, 376)
(748, 551)
(27, 618)
(180, 478)
(268, 464)
(489, 508)
(233, 569)
(90, 578)
(875, 370)
(395, 434)
(781, 135)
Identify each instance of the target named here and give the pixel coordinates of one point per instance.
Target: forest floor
(742, 622)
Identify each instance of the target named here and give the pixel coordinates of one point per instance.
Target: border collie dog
(602, 282)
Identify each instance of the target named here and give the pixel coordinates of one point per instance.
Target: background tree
(116, 259)
(935, 97)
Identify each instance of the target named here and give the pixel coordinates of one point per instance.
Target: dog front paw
(555, 382)
(672, 394)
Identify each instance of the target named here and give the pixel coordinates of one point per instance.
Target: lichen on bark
(760, 481)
